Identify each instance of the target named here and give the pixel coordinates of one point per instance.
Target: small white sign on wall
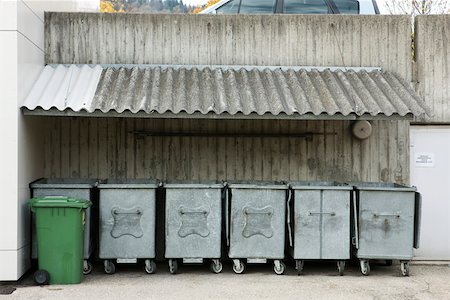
(425, 160)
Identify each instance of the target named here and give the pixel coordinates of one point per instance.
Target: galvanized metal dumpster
(386, 223)
(319, 222)
(257, 221)
(74, 188)
(194, 223)
(127, 223)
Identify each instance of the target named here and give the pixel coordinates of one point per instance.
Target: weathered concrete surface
(433, 64)
(320, 282)
(279, 40)
(107, 148)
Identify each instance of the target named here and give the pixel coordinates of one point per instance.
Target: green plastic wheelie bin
(60, 236)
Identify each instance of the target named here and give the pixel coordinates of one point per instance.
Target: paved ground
(320, 281)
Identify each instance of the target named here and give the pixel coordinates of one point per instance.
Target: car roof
(371, 3)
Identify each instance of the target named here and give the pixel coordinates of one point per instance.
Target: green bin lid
(59, 201)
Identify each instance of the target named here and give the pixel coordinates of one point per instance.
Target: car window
(229, 8)
(257, 7)
(306, 7)
(347, 6)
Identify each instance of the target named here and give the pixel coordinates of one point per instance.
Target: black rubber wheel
(240, 269)
(87, 268)
(173, 266)
(41, 277)
(341, 267)
(109, 267)
(216, 267)
(150, 266)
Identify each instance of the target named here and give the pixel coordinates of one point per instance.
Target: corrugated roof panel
(224, 90)
(64, 87)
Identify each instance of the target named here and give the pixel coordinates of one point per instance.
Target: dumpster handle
(246, 212)
(322, 213)
(417, 219)
(386, 215)
(289, 217)
(227, 217)
(355, 239)
(116, 212)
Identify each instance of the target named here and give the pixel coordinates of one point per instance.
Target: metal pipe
(307, 136)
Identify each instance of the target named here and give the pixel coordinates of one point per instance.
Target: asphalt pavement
(319, 281)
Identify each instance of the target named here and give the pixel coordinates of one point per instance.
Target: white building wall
(21, 150)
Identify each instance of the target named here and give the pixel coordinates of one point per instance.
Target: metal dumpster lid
(129, 184)
(319, 185)
(59, 201)
(64, 183)
(190, 184)
(382, 186)
(272, 185)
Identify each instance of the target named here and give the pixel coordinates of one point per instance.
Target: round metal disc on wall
(362, 129)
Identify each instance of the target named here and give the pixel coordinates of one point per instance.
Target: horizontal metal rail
(307, 135)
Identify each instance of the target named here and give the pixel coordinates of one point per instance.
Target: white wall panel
(8, 17)
(30, 25)
(433, 181)
(30, 147)
(8, 136)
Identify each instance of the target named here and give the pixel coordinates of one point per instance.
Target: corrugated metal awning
(222, 92)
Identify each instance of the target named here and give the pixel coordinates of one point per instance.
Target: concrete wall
(296, 40)
(380, 41)
(22, 149)
(107, 148)
(433, 64)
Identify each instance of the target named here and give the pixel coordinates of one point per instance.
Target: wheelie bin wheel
(365, 267)
(87, 267)
(216, 266)
(299, 265)
(404, 266)
(41, 277)
(341, 267)
(238, 267)
(173, 266)
(109, 267)
(150, 266)
(279, 267)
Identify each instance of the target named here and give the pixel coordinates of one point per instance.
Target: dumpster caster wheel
(216, 266)
(173, 266)
(365, 267)
(109, 267)
(150, 266)
(279, 267)
(404, 266)
(341, 267)
(299, 265)
(87, 267)
(238, 266)
(388, 263)
(41, 277)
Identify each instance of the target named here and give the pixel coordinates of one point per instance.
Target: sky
(198, 2)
